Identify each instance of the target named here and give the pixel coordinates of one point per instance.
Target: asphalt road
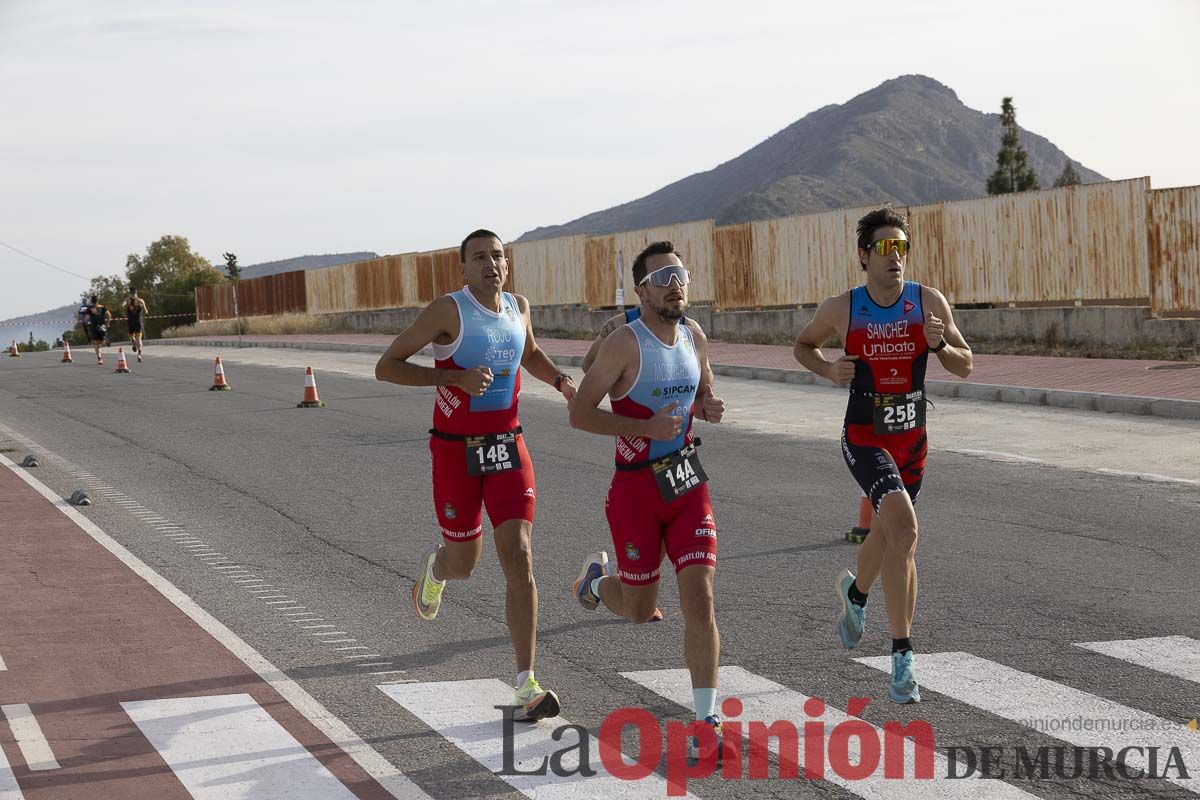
(1027, 547)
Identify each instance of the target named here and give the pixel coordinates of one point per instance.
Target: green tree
(1013, 173)
(167, 277)
(110, 290)
(1068, 177)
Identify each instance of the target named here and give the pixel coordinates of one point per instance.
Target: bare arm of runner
(618, 354)
(433, 323)
(956, 356)
(830, 319)
(535, 360)
(707, 406)
(610, 325)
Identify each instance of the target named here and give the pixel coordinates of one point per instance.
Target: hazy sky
(279, 128)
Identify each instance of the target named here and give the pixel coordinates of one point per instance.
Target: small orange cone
(122, 364)
(858, 534)
(67, 353)
(219, 383)
(13, 351)
(310, 391)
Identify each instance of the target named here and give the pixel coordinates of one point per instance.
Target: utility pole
(231, 266)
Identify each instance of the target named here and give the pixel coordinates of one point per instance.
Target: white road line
(474, 725)
(25, 729)
(9, 789)
(335, 641)
(998, 454)
(227, 747)
(768, 702)
(362, 655)
(328, 633)
(355, 647)
(272, 596)
(375, 765)
(1055, 708)
(3, 666)
(375, 664)
(288, 603)
(1152, 477)
(250, 580)
(1173, 655)
(307, 627)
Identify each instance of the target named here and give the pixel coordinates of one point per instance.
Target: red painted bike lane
(81, 633)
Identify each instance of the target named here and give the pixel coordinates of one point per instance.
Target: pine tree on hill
(1068, 177)
(1013, 173)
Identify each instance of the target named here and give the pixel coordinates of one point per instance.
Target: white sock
(523, 676)
(596, 585)
(706, 702)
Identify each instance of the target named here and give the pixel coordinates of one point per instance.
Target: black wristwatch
(941, 346)
(562, 376)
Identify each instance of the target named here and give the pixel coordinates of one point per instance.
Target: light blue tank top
(667, 374)
(488, 339)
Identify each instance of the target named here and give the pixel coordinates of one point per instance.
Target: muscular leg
(514, 549)
(870, 556)
(899, 522)
(457, 560)
(634, 603)
(701, 640)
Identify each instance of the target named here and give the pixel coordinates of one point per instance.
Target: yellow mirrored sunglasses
(884, 246)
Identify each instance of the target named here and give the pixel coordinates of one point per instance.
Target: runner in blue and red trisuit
(889, 327)
(655, 370)
(481, 337)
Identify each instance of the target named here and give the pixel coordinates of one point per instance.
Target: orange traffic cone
(122, 364)
(310, 391)
(858, 534)
(67, 353)
(13, 351)
(219, 383)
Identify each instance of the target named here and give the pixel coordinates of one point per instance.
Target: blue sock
(706, 702)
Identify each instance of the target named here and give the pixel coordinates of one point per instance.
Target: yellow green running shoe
(427, 592)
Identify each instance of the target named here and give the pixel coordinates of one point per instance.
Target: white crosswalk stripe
(9, 790)
(227, 747)
(766, 701)
(1058, 709)
(464, 713)
(28, 733)
(1172, 655)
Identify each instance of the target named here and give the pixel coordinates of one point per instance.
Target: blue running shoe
(903, 687)
(593, 568)
(854, 617)
(694, 742)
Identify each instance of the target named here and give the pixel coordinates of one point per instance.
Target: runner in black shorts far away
(889, 327)
(134, 308)
(95, 322)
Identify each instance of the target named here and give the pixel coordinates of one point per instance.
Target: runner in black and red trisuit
(889, 327)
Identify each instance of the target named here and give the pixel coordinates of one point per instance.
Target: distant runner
(134, 307)
(96, 320)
